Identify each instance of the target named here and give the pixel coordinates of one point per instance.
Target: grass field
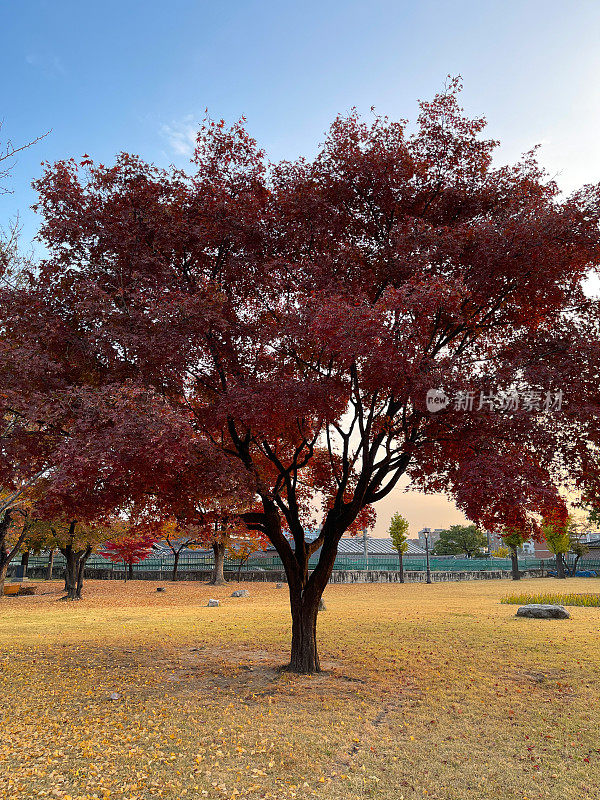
(429, 691)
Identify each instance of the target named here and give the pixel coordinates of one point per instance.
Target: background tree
(76, 541)
(514, 539)
(130, 548)
(13, 531)
(177, 546)
(39, 538)
(556, 534)
(578, 546)
(243, 544)
(593, 513)
(291, 318)
(20, 528)
(398, 531)
(178, 538)
(457, 539)
(218, 529)
(222, 532)
(501, 552)
(209, 513)
(576, 530)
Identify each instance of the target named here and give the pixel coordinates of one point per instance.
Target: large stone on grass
(241, 593)
(543, 611)
(212, 603)
(322, 606)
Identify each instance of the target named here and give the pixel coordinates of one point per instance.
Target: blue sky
(137, 76)
(106, 76)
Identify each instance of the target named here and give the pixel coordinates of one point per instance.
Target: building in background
(495, 541)
(374, 547)
(434, 536)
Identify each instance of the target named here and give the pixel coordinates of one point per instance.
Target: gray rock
(279, 585)
(212, 603)
(160, 588)
(114, 696)
(241, 593)
(543, 611)
(322, 606)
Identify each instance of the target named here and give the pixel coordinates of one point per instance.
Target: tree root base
(294, 671)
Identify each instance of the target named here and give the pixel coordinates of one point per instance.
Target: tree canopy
(279, 326)
(458, 539)
(399, 532)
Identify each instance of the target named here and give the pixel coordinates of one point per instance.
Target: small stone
(543, 611)
(322, 606)
(114, 696)
(241, 593)
(279, 585)
(212, 603)
(160, 589)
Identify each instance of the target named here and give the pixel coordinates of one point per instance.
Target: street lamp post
(427, 557)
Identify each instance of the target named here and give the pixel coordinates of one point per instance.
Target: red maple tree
(287, 321)
(130, 549)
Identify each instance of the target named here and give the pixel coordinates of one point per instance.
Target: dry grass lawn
(429, 692)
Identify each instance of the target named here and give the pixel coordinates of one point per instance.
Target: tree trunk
(560, 565)
(81, 571)
(72, 572)
(50, 565)
(175, 565)
(240, 565)
(305, 594)
(3, 570)
(130, 571)
(25, 562)
(516, 575)
(304, 657)
(4, 559)
(573, 569)
(305, 591)
(6, 555)
(218, 577)
(401, 570)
